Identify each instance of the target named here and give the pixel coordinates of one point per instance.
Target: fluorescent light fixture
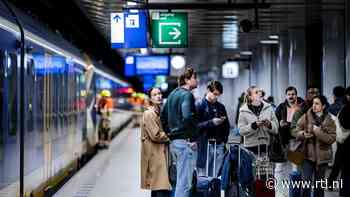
(269, 41)
(131, 3)
(246, 53)
(274, 37)
(230, 70)
(178, 62)
(230, 46)
(144, 51)
(230, 36)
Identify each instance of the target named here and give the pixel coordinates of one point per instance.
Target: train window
(12, 71)
(39, 82)
(30, 82)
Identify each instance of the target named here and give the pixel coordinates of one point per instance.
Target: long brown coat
(154, 153)
(319, 148)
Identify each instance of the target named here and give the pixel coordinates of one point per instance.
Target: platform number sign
(129, 29)
(169, 30)
(230, 70)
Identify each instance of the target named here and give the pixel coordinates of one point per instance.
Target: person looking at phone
(213, 124)
(256, 121)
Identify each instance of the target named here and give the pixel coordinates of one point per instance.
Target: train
(61, 85)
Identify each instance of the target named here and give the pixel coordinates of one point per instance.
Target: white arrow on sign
(176, 33)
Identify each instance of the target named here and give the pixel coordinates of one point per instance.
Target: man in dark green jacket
(179, 121)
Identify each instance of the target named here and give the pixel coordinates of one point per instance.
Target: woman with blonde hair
(154, 149)
(256, 121)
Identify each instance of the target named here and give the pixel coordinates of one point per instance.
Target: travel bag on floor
(208, 186)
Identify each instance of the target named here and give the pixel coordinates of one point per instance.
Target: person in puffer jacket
(316, 130)
(256, 121)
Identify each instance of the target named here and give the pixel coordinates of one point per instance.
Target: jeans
(310, 173)
(220, 155)
(185, 155)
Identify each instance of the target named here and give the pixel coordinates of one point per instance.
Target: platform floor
(113, 172)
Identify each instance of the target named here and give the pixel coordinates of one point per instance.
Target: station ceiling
(209, 19)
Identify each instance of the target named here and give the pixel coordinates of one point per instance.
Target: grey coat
(251, 136)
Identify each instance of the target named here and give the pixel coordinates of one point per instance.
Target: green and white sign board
(169, 30)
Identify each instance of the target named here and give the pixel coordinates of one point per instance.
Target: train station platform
(112, 172)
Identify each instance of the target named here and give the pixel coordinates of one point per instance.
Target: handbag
(296, 153)
(172, 172)
(276, 149)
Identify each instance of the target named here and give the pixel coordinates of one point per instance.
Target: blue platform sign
(129, 29)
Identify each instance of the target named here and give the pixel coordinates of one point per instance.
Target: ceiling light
(164, 86)
(131, 3)
(178, 62)
(246, 53)
(275, 37)
(144, 51)
(269, 41)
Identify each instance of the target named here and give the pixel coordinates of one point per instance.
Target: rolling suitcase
(263, 163)
(207, 186)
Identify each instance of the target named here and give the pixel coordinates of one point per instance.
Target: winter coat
(247, 118)
(206, 112)
(319, 148)
(245, 174)
(178, 115)
(154, 153)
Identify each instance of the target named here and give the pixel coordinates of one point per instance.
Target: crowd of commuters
(300, 133)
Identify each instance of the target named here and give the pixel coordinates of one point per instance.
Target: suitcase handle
(214, 163)
(259, 154)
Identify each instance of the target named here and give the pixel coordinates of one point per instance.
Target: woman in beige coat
(317, 131)
(154, 149)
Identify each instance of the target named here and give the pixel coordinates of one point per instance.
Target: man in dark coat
(213, 124)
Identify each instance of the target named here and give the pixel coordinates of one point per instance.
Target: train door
(2, 112)
(33, 146)
(10, 164)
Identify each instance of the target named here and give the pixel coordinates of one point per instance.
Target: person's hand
(259, 124)
(316, 129)
(218, 121)
(267, 123)
(283, 123)
(193, 146)
(308, 135)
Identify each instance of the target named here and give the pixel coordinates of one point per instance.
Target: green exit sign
(169, 30)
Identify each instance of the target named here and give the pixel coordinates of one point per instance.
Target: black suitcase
(207, 186)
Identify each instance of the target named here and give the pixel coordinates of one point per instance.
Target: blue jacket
(244, 174)
(207, 130)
